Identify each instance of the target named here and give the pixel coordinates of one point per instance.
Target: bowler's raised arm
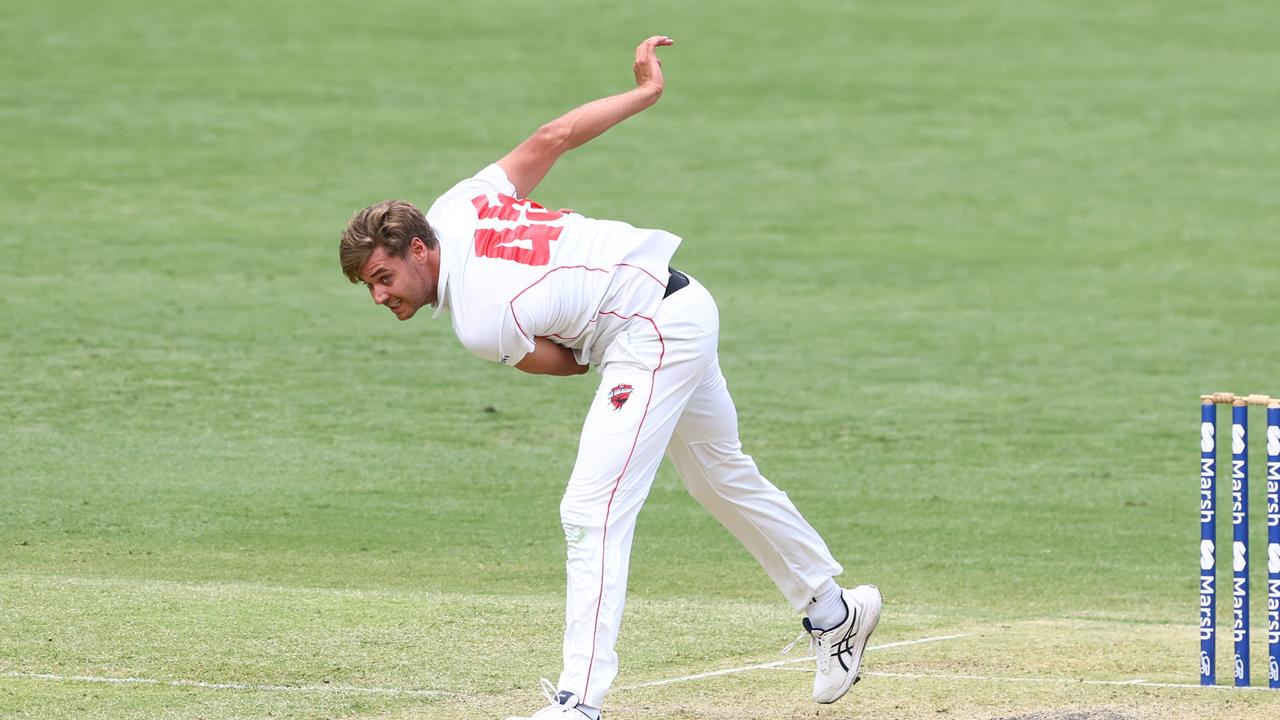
(529, 162)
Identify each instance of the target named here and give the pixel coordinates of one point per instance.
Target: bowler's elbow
(553, 138)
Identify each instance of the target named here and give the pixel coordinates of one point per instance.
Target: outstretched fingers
(646, 48)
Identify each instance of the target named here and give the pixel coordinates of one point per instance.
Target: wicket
(1240, 534)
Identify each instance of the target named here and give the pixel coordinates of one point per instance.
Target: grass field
(975, 260)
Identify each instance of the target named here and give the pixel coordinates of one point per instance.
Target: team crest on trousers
(619, 394)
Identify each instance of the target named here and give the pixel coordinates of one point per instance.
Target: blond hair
(391, 224)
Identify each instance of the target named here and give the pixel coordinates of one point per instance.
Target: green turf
(975, 261)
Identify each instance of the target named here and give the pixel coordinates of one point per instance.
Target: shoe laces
(549, 690)
(558, 704)
(819, 645)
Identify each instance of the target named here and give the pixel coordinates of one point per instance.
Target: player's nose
(380, 296)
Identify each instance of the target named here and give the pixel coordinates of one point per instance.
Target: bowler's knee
(575, 513)
(717, 465)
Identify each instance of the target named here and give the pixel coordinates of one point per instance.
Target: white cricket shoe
(564, 705)
(839, 650)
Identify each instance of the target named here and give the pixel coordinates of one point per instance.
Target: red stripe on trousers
(595, 631)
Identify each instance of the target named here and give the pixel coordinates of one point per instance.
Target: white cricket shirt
(511, 270)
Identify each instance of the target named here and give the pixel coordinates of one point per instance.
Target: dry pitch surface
(1078, 669)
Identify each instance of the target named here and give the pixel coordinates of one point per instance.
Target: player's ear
(418, 247)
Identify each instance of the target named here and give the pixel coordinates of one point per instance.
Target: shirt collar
(442, 282)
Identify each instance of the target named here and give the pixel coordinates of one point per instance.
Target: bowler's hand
(648, 67)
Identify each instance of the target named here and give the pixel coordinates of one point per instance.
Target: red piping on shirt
(512, 303)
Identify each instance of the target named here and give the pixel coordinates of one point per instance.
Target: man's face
(403, 284)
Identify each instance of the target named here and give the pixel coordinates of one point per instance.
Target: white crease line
(1062, 681)
(339, 689)
(778, 663)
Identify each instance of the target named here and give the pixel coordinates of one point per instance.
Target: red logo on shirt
(618, 396)
(510, 243)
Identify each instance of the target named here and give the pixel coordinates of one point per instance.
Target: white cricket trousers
(661, 389)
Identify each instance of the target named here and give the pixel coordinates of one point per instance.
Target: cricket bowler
(551, 292)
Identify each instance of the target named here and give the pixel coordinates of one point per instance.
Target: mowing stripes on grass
(920, 220)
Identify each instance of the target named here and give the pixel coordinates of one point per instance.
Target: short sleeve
(496, 179)
(490, 181)
(455, 210)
